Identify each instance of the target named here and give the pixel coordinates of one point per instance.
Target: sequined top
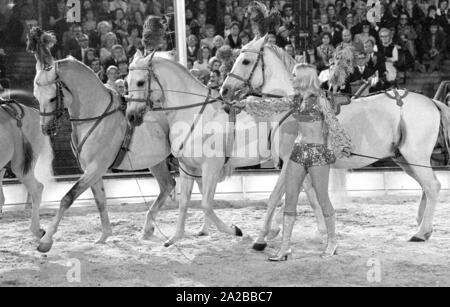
(307, 110)
(314, 108)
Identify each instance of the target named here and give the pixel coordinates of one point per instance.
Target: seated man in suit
(363, 74)
(434, 45)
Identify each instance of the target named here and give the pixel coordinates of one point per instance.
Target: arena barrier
(244, 185)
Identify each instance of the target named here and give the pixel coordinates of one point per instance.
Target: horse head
(260, 68)
(143, 88)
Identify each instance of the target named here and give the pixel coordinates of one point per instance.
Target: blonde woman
(110, 42)
(321, 140)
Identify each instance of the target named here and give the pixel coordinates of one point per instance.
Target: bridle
(150, 103)
(58, 112)
(248, 82)
(151, 76)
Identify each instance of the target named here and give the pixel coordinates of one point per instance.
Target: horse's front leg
(211, 171)
(166, 185)
(186, 186)
(92, 175)
(274, 200)
(35, 188)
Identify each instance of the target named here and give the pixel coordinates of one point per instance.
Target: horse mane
(181, 67)
(71, 61)
(288, 61)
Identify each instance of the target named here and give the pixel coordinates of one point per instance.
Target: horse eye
(246, 62)
(141, 83)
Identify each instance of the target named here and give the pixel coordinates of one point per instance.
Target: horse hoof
(168, 243)
(259, 246)
(416, 239)
(203, 234)
(237, 231)
(146, 237)
(45, 247)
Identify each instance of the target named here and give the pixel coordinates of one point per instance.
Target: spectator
(105, 13)
(202, 61)
(123, 69)
(106, 50)
(431, 16)
(443, 15)
(214, 82)
(435, 44)
(390, 54)
(214, 64)
(98, 39)
(363, 72)
(406, 39)
(73, 40)
(89, 22)
(119, 86)
(288, 17)
(376, 62)
(361, 38)
(245, 38)
(283, 37)
(112, 73)
(133, 41)
(325, 52)
(90, 56)
(209, 39)
(118, 5)
(192, 48)
(218, 43)
(98, 69)
(120, 25)
(290, 49)
(233, 40)
(347, 41)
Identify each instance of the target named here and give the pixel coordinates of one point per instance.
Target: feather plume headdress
(40, 43)
(154, 33)
(261, 18)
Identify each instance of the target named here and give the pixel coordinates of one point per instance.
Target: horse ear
(138, 55)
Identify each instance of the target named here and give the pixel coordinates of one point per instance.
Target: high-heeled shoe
(333, 252)
(282, 256)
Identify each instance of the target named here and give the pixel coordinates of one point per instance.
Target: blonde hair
(306, 80)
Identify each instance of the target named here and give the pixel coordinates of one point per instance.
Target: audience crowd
(386, 36)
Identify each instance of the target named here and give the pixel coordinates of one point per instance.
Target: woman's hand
(347, 152)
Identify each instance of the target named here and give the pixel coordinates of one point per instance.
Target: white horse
(198, 132)
(29, 152)
(404, 126)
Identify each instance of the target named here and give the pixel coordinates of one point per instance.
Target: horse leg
(431, 187)
(98, 190)
(166, 186)
(91, 176)
(2, 196)
(186, 186)
(211, 172)
(35, 189)
(423, 200)
(206, 223)
(274, 200)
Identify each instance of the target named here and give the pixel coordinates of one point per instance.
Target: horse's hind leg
(35, 189)
(423, 201)
(98, 190)
(431, 187)
(2, 196)
(166, 186)
(91, 176)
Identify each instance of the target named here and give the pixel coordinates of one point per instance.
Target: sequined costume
(312, 109)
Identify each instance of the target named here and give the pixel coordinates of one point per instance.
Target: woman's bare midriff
(311, 132)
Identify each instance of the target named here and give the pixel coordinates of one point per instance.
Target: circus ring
(374, 226)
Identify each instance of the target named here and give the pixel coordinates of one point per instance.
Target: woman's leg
(320, 179)
(295, 176)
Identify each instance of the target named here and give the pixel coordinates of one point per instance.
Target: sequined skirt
(310, 155)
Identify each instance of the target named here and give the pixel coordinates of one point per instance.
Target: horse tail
(338, 187)
(28, 155)
(445, 124)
